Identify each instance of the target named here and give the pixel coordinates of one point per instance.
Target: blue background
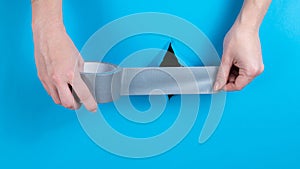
(259, 129)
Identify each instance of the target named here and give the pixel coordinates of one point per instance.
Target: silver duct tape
(108, 82)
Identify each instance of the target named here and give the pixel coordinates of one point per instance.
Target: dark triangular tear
(170, 60)
(170, 96)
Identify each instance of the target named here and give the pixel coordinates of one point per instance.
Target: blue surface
(259, 129)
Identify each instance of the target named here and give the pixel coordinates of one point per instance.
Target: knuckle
(262, 68)
(70, 75)
(254, 71)
(56, 78)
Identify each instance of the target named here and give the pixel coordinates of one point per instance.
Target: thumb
(223, 72)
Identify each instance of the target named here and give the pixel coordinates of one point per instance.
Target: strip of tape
(108, 82)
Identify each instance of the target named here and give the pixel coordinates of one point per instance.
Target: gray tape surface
(108, 82)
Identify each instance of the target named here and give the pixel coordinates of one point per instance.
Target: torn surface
(170, 60)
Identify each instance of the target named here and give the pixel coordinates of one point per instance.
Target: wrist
(248, 21)
(46, 14)
(246, 26)
(46, 25)
(252, 14)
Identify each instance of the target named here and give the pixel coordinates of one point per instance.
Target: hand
(59, 64)
(241, 60)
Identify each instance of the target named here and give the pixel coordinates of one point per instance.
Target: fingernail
(217, 86)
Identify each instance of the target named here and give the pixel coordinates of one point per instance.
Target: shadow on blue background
(260, 127)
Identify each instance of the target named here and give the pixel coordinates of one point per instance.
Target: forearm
(46, 13)
(252, 13)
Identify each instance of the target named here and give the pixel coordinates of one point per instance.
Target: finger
(77, 100)
(43, 76)
(84, 94)
(66, 97)
(54, 94)
(46, 87)
(240, 82)
(223, 73)
(51, 90)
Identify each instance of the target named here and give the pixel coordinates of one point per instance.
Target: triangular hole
(170, 60)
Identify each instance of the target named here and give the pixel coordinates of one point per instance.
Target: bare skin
(57, 59)
(242, 56)
(59, 62)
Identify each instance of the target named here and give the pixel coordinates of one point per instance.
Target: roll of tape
(99, 77)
